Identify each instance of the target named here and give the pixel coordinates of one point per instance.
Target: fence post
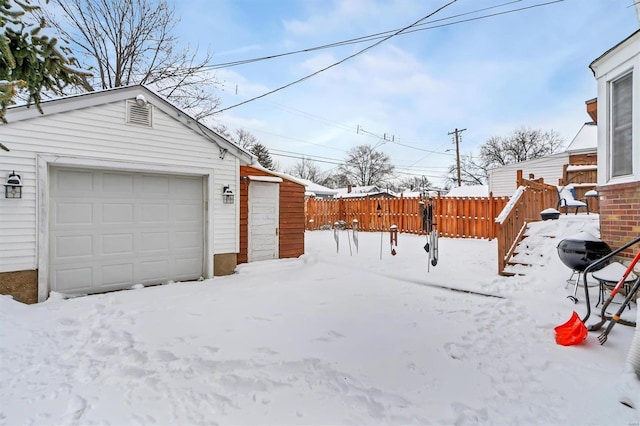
(518, 178)
(310, 212)
(492, 217)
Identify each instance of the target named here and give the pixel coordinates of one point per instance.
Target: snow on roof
(314, 188)
(586, 139)
(294, 179)
(358, 190)
(469, 191)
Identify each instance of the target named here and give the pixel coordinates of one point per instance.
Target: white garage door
(110, 230)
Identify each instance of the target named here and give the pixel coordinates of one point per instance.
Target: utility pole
(457, 133)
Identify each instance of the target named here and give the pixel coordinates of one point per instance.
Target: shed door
(263, 221)
(109, 230)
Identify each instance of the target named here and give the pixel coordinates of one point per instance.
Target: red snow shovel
(571, 332)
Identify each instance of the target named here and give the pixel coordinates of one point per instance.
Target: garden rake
(616, 317)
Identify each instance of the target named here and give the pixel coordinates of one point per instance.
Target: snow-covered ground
(330, 338)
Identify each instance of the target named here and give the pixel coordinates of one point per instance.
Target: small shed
(271, 215)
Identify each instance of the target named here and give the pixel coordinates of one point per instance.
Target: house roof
(92, 99)
(601, 57)
(585, 140)
(358, 190)
(314, 188)
(469, 191)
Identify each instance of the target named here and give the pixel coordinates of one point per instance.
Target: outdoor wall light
(141, 101)
(228, 195)
(13, 187)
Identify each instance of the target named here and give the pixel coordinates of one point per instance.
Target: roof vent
(139, 113)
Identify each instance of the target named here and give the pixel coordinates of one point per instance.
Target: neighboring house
(313, 189)
(271, 215)
(617, 73)
(553, 168)
(119, 187)
(503, 180)
(363, 191)
(469, 191)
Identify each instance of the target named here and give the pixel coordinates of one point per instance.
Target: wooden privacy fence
(455, 217)
(525, 206)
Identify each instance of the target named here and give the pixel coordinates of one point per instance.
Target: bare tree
(242, 137)
(414, 183)
(366, 166)
(245, 139)
(472, 172)
(335, 180)
(306, 169)
(520, 145)
(130, 42)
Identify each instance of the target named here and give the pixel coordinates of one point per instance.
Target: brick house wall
(620, 215)
(21, 285)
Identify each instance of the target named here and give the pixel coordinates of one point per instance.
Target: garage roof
(90, 99)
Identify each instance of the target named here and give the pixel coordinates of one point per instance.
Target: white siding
(502, 180)
(611, 66)
(99, 137)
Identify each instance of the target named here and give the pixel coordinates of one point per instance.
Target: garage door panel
(152, 271)
(188, 212)
(154, 213)
(118, 183)
(73, 246)
(116, 275)
(121, 213)
(74, 181)
(184, 268)
(117, 244)
(73, 279)
(73, 213)
(186, 240)
(154, 241)
(154, 185)
(131, 228)
(183, 189)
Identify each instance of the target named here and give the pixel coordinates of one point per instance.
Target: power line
(342, 60)
(399, 32)
(375, 36)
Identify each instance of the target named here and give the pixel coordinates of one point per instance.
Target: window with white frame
(620, 140)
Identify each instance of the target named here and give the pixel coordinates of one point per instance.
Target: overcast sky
(489, 75)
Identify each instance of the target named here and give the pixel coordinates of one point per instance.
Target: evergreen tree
(31, 62)
(264, 158)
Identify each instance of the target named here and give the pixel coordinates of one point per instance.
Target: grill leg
(575, 287)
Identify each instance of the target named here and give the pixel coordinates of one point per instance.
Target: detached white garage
(116, 192)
